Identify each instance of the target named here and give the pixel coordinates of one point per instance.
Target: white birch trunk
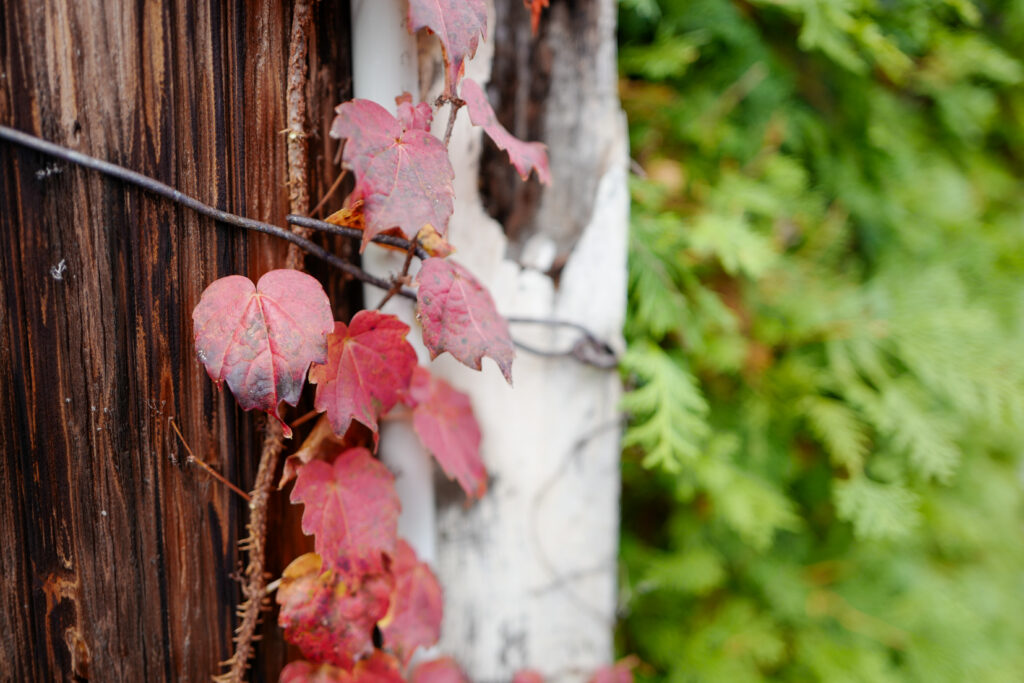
(529, 572)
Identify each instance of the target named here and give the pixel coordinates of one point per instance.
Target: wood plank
(115, 557)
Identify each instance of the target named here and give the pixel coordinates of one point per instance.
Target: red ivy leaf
(458, 24)
(414, 618)
(329, 617)
(458, 316)
(528, 676)
(443, 670)
(352, 508)
(535, 7)
(403, 175)
(368, 367)
(261, 338)
(413, 116)
(523, 155)
(378, 668)
(443, 419)
(307, 672)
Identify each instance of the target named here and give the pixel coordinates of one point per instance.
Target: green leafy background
(823, 467)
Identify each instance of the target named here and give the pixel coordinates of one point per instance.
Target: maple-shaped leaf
(458, 24)
(301, 671)
(378, 668)
(330, 617)
(458, 316)
(535, 7)
(442, 670)
(261, 338)
(414, 617)
(443, 419)
(368, 367)
(523, 155)
(413, 116)
(620, 672)
(528, 676)
(403, 174)
(352, 508)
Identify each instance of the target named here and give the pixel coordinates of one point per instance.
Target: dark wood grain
(115, 557)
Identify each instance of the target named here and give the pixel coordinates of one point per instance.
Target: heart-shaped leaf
(261, 338)
(352, 508)
(368, 367)
(443, 419)
(458, 316)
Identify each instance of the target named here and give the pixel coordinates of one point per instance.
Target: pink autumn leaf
(368, 367)
(413, 116)
(330, 617)
(523, 155)
(307, 672)
(414, 617)
(443, 419)
(527, 676)
(403, 175)
(458, 24)
(443, 670)
(261, 338)
(458, 316)
(377, 668)
(352, 509)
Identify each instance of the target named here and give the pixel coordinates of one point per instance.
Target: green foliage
(823, 468)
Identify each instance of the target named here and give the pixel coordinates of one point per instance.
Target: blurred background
(823, 467)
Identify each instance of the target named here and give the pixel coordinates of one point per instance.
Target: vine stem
(298, 145)
(254, 585)
(255, 580)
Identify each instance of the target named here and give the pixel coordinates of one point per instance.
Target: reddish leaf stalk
(456, 104)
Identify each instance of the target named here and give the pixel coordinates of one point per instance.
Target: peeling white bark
(529, 571)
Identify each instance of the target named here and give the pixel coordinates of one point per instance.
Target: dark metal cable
(587, 349)
(324, 226)
(168, 192)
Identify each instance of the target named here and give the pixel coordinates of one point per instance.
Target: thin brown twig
(402, 278)
(330, 191)
(305, 418)
(192, 458)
